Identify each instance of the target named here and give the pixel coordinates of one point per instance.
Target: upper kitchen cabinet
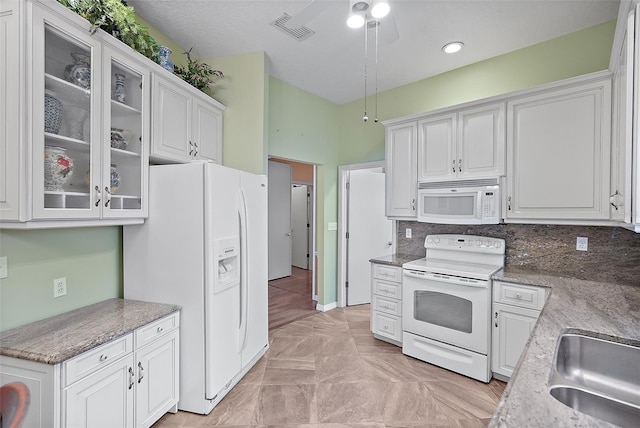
(186, 123)
(401, 170)
(620, 203)
(461, 144)
(83, 123)
(558, 152)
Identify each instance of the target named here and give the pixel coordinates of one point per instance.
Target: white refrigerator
(204, 247)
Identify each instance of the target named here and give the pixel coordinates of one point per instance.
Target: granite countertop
(602, 308)
(395, 259)
(58, 338)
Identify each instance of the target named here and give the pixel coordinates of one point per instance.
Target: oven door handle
(446, 279)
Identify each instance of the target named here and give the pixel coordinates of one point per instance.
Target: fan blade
(387, 30)
(309, 12)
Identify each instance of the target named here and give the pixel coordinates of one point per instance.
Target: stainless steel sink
(598, 377)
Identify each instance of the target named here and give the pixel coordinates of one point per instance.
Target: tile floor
(327, 371)
(290, 298)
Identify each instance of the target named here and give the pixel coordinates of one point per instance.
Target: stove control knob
(487, 243)
(429, 240)
(478, 243)
(497, 245)
(436, 240)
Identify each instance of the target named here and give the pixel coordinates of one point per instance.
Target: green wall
(304, 127)
(90, 259)
(244, 92)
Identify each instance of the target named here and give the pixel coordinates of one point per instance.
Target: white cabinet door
(511, 329)
(481, 142)
(401, 179)
(157, 379)
(102, 399)
(66, 133)
(558, 153)
(437, 148)
(10, 117)
(171, 121)
(207, 130)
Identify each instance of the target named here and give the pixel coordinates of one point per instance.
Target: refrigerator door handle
(244, 271)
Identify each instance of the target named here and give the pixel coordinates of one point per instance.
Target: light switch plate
(407, 233)
(4, 268)
(582, 243)
(332, 225)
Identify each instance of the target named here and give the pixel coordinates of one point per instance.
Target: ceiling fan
(387, 29)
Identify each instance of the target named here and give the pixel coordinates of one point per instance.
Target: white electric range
(446, 303)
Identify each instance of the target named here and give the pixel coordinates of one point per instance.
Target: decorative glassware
(120, 138)
(52, 112)
(79, 73)
(75, 118)
(119, 92)
(58, 168)
(165, 61)
(115, 179)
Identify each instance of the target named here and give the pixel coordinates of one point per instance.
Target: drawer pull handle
(132, 377)
(495, 322)
(160, 330)
(103, 357)
(141, 371)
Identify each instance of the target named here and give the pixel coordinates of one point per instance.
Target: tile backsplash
(613, 254)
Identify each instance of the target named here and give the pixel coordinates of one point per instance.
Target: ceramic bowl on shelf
(120, 138)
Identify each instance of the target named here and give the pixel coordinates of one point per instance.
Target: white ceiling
(331, 62)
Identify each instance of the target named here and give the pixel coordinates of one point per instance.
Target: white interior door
(299, 225)
(370, 232)
(279, 220)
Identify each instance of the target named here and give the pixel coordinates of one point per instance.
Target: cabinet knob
(160, 330)
(103, 357)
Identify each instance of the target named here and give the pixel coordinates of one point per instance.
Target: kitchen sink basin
(598, 377)
(601, 407)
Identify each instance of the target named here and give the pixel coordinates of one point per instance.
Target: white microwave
(460, 202)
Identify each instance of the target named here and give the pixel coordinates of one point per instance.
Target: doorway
(364, 232)
(292, 276)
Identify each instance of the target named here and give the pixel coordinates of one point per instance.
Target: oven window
(443, 309)
(458, 205)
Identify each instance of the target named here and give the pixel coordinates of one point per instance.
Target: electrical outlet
(582, 243)
(4, 268)
(59, 287)
(407, 233)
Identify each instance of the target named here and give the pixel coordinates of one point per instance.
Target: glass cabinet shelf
(120, 109)
(69, 92)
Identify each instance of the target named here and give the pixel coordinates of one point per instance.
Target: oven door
(448, 309)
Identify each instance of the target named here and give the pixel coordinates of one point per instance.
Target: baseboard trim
(325, 308)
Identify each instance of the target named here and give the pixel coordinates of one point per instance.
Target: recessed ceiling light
(355, 20)
(452, 47)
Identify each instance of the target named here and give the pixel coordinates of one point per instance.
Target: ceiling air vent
(299, 34)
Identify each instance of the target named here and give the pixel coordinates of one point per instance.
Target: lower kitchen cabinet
(129, 382)
(386, 303)
(516, 309)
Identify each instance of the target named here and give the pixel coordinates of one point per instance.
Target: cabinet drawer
(387, 273)
(389, 306)
(524, 296)
(386, 325)
(387, 289)
(91, 361)
(157, 329)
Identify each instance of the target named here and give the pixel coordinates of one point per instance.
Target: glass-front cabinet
(90, 125)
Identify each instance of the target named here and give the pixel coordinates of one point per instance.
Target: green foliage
(197, 74)
(117, 19)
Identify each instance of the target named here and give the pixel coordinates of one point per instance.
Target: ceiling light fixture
(452, 47)
(380, 9)
(355, 20)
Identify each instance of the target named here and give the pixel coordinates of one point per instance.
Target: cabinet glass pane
(67, 122)
(125, 154)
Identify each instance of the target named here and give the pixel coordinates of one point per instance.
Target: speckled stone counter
(394, 259)
(576, 305)
(58, 338)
